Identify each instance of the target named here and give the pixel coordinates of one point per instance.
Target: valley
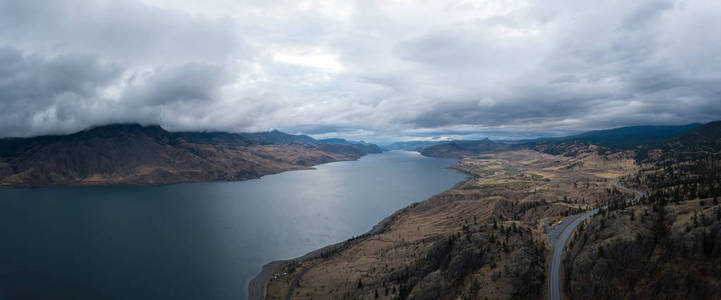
(488, 237)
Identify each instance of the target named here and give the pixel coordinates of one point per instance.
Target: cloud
(168, 85)
(368, 69)
(41, 94)
(123, 31)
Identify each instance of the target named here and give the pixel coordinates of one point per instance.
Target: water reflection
(197, 240)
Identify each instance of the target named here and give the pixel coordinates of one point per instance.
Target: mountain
(360, 145)
(338, 141)
(277, 137)
(135, 154)
(458, 149)
(411, 145)
(641, 139)
(706, 138)
(632, 137)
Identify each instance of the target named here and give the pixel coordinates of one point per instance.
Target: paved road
(559, 235)
(639, 194)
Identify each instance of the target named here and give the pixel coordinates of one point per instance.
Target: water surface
(196, 240)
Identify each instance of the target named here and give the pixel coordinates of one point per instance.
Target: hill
(648, 252)
(135, 154)
(277, 137)
(459, 149)
(694, 143)
(627, 138)
(693, 137)
(360, 145)
(411, 145)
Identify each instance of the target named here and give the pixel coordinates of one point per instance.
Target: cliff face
(134, 154)
(642, 252)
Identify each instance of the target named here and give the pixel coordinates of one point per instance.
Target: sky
(372, 70)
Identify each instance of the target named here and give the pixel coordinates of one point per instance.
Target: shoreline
(257, 286)
(153, 184)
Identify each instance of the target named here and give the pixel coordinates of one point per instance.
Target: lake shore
(484, 236)
(207, 228)
(257, 286)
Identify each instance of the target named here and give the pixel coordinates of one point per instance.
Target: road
(639, 194)
(559, 235)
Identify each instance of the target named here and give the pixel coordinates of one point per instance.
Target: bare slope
(135, 154)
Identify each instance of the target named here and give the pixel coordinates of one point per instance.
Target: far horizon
(497, 136)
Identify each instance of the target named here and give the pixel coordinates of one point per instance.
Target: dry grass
(499, 187)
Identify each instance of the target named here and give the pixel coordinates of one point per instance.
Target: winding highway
(639, 194)
(559, 235)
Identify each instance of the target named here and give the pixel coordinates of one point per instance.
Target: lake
(196, 240)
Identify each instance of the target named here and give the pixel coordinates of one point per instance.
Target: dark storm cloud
(36, 91)
(190, 82)
(614, 68)
(362, 69)
(39, 78)
(125, 31)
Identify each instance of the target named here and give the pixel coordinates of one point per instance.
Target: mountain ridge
(137, 154)
(641, 139)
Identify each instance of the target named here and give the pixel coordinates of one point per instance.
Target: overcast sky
(370, 70)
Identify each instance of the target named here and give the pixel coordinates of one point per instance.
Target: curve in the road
(638, 193)
(560, 234)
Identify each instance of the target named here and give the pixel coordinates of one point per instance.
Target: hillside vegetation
(486, 237)
(135, 154)
(483, 238)
(643, 140)
(668, 246)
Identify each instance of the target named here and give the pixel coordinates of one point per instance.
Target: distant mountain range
(630, 137)
(457, 149)
(367, 147)
(411, 145)
(681, 140)
(135, 154)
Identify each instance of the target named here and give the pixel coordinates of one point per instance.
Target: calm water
(196, 240)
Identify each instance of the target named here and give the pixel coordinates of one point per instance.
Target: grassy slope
(448, 246)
